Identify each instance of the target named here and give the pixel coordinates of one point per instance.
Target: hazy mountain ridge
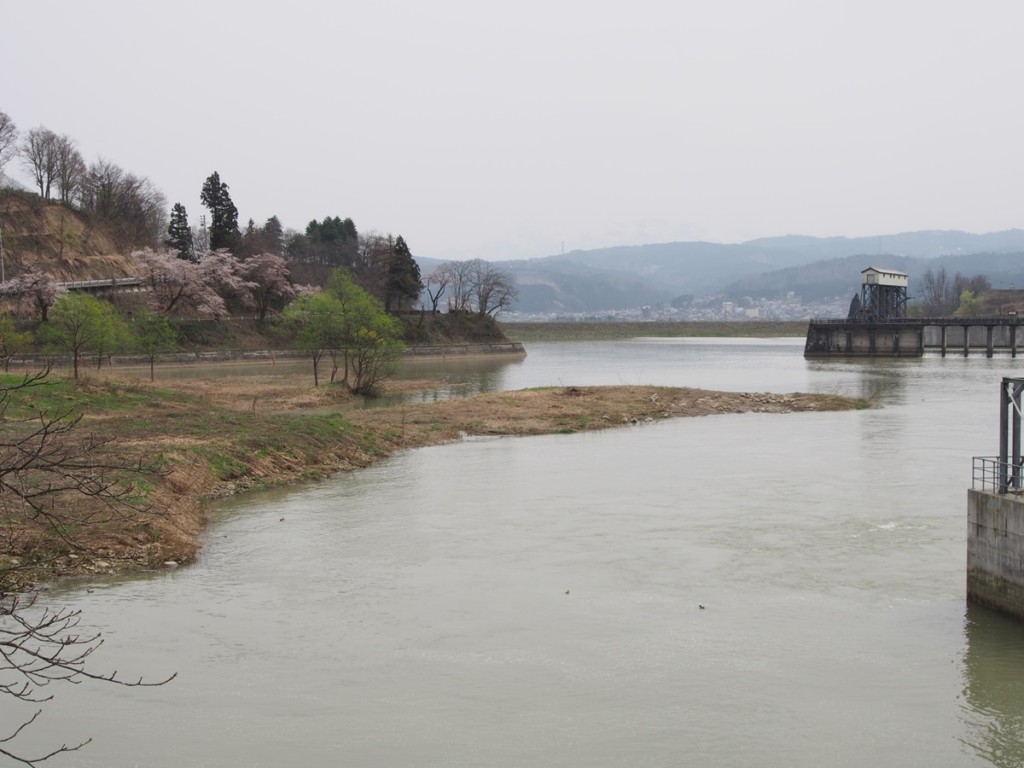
(812, 267)
(841, 277)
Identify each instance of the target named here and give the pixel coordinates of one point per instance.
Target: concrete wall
(995, 550)
(855, 340)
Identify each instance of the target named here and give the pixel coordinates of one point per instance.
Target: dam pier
(914, 337)
(878, 326)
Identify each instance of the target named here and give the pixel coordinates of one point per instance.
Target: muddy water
(521, 602)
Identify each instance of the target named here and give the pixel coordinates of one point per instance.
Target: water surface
(537, 601)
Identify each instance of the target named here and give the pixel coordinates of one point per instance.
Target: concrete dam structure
(877, 325)
(913, 337)
(995, 514)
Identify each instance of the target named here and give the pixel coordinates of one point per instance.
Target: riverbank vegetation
(202, 439)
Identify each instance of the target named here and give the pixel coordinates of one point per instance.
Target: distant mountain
(631, 276)
(821, 280)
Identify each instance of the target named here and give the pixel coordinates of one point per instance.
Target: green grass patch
(223, 465)
(56, 394)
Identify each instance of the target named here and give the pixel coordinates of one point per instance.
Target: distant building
(883, 295)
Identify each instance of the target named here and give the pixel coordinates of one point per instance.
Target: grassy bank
(566, 331)
(204, 439)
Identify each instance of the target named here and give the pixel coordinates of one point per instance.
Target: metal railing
(991, 474)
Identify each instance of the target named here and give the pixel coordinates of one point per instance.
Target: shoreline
(497, 349)
(218, 438)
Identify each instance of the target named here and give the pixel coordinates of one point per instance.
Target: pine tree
(179, 233)
(223, 213)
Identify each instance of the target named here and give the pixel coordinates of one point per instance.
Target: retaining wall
(995, 550)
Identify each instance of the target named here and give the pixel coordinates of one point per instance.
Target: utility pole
(3, 279)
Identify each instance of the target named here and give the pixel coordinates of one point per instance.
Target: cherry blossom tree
(177, 287)
(223, 273)
(270, 283)
(36, 289)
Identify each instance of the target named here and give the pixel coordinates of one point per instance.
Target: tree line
(135, 211)
(219, 269)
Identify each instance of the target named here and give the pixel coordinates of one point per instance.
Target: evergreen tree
(404, 283)
(273, 233)
(223, 213)
(179, 233)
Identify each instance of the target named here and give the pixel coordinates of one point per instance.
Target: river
(752, 589)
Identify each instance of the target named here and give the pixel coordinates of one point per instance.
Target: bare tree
(436, 284)
(977, 285)
(8, 139)
(461, 281)
(491, 288)
(70, 168)
(39, 157)
(131, 202)
(55, 481)
(937, 298)
(940, 296)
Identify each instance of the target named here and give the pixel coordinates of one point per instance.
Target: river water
(538, 601)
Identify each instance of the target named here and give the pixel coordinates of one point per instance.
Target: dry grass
(572, 409)
(218, 436)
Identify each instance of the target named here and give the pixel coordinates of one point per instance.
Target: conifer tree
(273, 232)
(404, 281)
(223, 213)
(179, 233)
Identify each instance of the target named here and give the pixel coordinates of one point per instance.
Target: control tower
(883, 296)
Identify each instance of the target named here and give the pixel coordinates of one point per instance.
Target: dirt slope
(55, 239)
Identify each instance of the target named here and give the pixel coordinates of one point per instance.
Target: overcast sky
(517, 129)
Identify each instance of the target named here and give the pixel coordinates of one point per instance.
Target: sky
(509, 130)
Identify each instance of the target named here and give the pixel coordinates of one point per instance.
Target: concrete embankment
(995, 550)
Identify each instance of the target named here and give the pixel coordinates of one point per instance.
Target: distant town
(706, 309)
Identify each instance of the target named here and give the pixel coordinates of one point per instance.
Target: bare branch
(54, 481)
